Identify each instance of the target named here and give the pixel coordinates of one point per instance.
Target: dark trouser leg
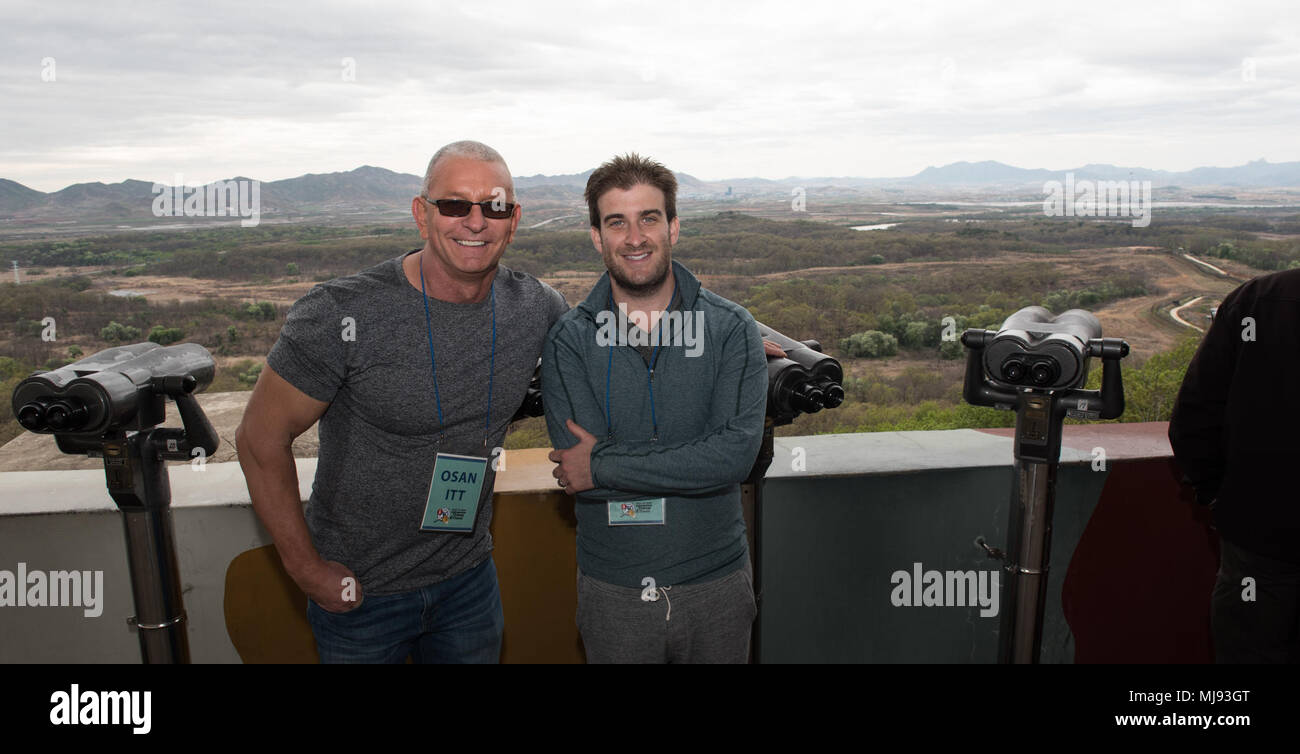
(1256, 608)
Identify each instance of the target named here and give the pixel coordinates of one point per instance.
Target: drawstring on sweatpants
(652, 595)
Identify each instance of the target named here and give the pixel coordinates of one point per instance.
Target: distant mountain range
(1257, 174)
(368, 188)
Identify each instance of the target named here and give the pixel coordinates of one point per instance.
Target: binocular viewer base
(156, 585)
(1029, 539)
(138, 483)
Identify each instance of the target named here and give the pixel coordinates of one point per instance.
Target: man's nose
(635, 236)
(475, 221)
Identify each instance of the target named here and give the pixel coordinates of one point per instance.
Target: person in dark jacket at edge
(1235, 431)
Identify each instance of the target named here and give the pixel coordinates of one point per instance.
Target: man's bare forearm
(272, 477)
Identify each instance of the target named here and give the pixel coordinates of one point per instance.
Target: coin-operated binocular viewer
(1036, 365)
(805, 381)
(109, 404)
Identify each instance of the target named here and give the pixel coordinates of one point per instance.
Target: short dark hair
(626, 171)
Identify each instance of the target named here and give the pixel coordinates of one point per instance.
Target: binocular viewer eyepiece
(1037, 365)
(116, 389)
(805, 381)
(1037, 350)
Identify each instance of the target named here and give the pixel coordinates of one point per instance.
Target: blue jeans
(455, 621)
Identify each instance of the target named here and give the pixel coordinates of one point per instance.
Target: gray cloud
(149, 90)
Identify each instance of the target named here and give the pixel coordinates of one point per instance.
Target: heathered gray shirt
(379, 436)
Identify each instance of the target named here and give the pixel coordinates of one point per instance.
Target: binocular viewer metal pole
(1040, 414)
(118, 394)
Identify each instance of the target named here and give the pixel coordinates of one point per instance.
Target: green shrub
(260, 310)
(250, 377)
(116, 332)
(871, 344)
(165, 336)
(951, 349)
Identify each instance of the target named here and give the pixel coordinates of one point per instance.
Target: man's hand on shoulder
(574, 464)
(331, 585)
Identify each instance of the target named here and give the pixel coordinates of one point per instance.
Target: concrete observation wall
(837, 519)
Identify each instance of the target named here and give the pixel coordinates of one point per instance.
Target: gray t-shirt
(361, 344)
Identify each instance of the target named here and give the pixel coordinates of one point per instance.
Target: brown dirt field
(574, 285)
(1173, 279)
(283, 292)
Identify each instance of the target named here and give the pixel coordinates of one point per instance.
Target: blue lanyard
(433, 363)
(649, 373)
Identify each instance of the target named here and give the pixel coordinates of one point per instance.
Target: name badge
(454, 493)
(643, 512)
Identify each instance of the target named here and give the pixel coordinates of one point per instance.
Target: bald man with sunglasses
(414, 369)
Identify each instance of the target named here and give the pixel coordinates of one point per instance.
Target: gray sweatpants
(708, 622)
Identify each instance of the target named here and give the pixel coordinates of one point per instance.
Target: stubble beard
(640, 289)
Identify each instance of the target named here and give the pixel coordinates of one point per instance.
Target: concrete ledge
(219, 484)
(529, 471)
(903, 452)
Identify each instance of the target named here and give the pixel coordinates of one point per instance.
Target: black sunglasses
(494, 209)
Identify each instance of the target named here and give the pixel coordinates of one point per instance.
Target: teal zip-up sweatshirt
(709, 400)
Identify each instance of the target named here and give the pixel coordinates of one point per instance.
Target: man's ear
(595, 241)
(514, 222)
(674, 229)
(417, 211)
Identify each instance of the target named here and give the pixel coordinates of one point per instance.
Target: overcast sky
(213, 89)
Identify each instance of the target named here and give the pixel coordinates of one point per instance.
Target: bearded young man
(655, 392)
